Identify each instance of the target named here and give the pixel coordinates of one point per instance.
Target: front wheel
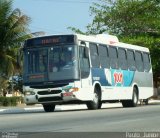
(48, 107)
(96, 102)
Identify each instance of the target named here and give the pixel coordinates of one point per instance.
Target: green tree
(126, 17)
(133, 21)
(13, 32)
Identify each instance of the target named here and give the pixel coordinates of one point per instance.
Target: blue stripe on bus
(99, 75)
(112, 77)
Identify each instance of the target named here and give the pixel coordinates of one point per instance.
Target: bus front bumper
(52, 98)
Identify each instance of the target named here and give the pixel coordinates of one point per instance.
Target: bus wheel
(96, 102)
(49, 107)
(133, 102)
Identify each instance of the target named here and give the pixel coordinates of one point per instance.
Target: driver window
(84, 63)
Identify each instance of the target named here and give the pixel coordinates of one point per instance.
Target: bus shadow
(58, 110)
(23, 111)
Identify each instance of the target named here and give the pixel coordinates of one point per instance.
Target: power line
(71, 1)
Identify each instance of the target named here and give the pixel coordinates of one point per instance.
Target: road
(117, 119)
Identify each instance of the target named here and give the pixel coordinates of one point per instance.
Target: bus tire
(135, 98)
(48, 107)
(96, 102)
(134, 101)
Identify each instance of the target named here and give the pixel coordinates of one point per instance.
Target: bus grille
(51, 92)
(48, 99)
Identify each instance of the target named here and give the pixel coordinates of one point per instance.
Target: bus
(81, 69)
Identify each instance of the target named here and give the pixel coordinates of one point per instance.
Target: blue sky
(54, 16)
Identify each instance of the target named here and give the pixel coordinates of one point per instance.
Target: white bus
(75, 69)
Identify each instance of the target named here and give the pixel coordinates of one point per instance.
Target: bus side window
(146, 61)
(122, 59)
(113, 57)
(94, 55)
(84, 62)
(104, 56)
(139, 61)
(131, 60)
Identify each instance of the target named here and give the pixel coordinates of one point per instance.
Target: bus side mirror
(86, 52)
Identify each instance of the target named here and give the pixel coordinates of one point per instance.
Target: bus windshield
(54, 62)
(37, 61)
(63, 63)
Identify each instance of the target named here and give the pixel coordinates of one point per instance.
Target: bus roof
(109, 40)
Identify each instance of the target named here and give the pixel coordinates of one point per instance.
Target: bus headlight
(29, 93)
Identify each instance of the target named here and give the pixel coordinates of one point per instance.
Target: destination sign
(50, 40)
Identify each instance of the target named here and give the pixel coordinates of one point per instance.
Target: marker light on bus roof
(110, 38)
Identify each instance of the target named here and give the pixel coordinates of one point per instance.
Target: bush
(10, 101)
(13, 101)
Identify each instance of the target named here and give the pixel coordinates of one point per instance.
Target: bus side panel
(115, 84)
(121, 84)
(145, 84)
(118, 84)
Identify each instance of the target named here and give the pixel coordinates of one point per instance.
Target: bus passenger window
(131, 60)
(113, 57)
(146, 61)
(122, 59)
(139, 61)
(104, 56)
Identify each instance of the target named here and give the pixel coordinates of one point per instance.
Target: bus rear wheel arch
(96, 102)
(134, 101)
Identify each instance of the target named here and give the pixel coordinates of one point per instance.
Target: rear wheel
(96, 102)
(133, 102)
(49, 107)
